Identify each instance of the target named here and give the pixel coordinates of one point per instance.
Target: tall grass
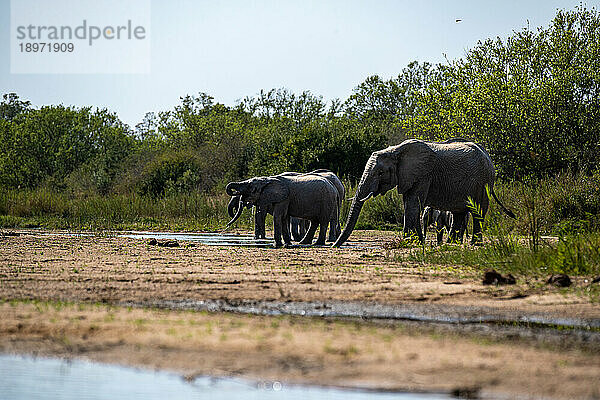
(573, 254)
(44, 208)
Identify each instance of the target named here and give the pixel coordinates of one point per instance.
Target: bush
(172, 173)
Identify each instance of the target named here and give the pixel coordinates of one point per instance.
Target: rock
(466, 392)
(169, 243)
(163, 243)
(560, 280)
(492, 277)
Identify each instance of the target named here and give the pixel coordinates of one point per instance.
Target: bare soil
(68, 276)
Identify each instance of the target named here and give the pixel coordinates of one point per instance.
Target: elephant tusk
(366, 198)
(349, 199)
(236, 216)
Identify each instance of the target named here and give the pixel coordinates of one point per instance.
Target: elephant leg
(439, 228)
(285, 228)
(412, 217)
(478, 223)
(279, 218)
(477, 234)
(310, 234)
(322, 232)
(295, 227)
(458, 227)
(259, 223)
(303, 227)
(333, 227)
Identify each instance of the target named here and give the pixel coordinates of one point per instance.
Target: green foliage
(170, 173)
(532, 99)
(46, 145)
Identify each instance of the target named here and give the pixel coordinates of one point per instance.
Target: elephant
(440, 219)
(298, 227)
(306, 196)
(442, 175)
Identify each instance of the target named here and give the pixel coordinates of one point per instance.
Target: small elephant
(298, 227)
(444, 175)
(305, 196)
(441, 219)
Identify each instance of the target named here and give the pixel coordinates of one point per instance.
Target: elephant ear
(273, 191)
(415, 161)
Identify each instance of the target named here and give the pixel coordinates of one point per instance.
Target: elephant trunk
(365, 190)
(237, 214)
(351, 221)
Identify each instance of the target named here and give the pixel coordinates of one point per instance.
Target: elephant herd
(438, 181)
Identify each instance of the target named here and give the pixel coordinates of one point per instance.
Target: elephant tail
(506, 210)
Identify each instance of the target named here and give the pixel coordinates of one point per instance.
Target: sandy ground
(83, 271)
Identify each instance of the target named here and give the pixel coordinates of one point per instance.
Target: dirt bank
(110, 270)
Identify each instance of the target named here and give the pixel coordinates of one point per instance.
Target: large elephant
(305, 196)
(440, 175)
(298, 227)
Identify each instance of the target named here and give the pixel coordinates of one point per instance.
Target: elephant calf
(440, 219)
(305, 196)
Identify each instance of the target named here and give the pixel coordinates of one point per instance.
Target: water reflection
(27, 378)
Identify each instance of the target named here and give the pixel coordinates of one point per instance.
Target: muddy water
(43, 378)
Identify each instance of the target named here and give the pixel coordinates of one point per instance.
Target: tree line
(532, 100)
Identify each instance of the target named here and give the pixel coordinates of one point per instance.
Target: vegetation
(532, 100)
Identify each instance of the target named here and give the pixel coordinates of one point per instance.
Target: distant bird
(458, 20)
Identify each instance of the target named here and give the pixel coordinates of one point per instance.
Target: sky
(234, 48)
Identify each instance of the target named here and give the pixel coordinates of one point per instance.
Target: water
(218, 239)
(211, 239)
(207, 238)
(30, 378)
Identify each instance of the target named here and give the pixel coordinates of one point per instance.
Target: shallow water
(207, 238)
(46, 378)
(218, 239)
(211, 239)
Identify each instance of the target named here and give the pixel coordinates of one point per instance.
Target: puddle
(207, 238)
(210, 239)
(47, 378)
(220, 239)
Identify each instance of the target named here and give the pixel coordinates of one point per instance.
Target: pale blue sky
(232, 49)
